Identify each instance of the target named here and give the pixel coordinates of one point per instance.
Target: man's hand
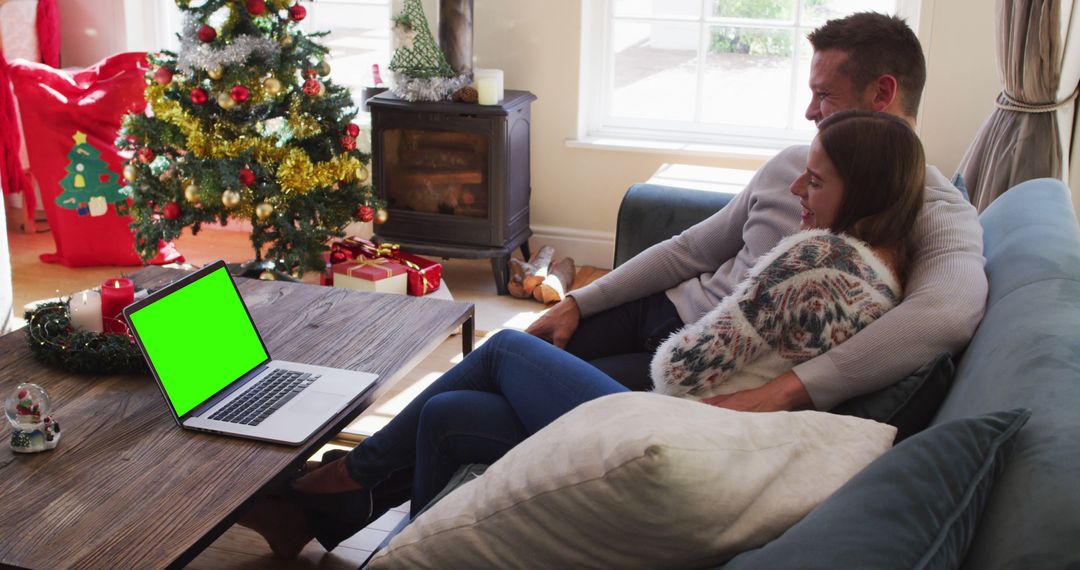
(783, 393)
(558, 323)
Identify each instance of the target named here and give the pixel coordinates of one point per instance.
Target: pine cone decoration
(466, 94)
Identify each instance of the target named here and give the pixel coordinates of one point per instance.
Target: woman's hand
(784, 393)
(558, 324)
(330, 478)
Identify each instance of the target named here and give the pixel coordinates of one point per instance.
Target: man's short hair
(876, 45)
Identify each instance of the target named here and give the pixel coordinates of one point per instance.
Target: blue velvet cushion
(909, 404)
(917, 506)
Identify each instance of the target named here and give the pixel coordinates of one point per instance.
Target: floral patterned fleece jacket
(813, 291)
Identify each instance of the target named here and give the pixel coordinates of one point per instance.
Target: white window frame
(597, 77)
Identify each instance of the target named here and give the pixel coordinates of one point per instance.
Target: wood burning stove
(455, 177)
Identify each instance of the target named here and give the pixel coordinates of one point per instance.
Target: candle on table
(86, 311)
(115, 295)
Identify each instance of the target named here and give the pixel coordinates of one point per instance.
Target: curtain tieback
(1009, 104)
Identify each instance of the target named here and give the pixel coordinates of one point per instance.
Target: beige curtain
(1021, 138)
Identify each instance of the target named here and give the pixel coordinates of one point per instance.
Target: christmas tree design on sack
(90, 186)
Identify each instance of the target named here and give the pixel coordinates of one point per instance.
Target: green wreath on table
(54, 342)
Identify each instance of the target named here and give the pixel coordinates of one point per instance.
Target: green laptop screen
(199, 338)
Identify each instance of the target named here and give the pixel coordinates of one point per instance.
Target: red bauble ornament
(309, 72)
(366, 213)
(313, 87)
(348, 143)
(352, 130)
(256, 7)
(297, 13)
(207, 34)
(199, 96)
(146, 156)
(163, 75)
(171, 211)
(247, 176)
(239, 93)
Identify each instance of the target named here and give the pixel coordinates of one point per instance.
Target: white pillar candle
(489, 85)
(86, 311)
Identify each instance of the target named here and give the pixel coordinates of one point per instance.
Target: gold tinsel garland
(296, 173)
(302, 126)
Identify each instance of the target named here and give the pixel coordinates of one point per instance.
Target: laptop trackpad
(315, 403)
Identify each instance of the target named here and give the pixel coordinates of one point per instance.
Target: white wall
(576, 191)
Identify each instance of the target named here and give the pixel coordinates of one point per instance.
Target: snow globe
(28, 411)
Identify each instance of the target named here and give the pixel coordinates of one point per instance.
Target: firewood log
(518, 270)
(557, 283)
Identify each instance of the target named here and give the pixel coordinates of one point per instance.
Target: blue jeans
(505, 391)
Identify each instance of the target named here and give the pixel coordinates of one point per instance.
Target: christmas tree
(90, 186)
(245, 123)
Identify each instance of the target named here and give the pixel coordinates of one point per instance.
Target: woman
(860, 194)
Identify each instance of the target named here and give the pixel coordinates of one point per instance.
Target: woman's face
(819, 189)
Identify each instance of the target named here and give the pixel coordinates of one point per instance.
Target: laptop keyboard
(265, 397)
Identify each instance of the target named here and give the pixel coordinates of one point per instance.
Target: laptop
(215, 372)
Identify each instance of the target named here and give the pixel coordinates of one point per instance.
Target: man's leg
(621, 341)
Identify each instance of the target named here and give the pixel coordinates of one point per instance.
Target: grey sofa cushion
(909, 404)
(917, 506)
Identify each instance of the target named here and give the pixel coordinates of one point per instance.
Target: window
(720, 72)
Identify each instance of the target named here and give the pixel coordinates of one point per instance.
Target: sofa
(1008, 500)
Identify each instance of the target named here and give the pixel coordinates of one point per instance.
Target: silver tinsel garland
(414, 89)
(196, 55)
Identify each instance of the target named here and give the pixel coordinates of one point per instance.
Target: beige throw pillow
(641, 480)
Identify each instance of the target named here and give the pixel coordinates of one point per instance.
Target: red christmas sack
(70, 120)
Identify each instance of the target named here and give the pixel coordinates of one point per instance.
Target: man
(865, 61)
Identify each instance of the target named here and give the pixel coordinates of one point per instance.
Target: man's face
(831, 90)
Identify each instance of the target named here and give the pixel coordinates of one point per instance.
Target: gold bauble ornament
(361, 173)
(263, 210)
(130, 174)
(225, 101)
(215, 72)
(381, 215)
(324, 68)
(272, 85)
(191, 192)
(230, 198)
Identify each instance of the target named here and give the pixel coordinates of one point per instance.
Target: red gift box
(424, 275)
(376, 275)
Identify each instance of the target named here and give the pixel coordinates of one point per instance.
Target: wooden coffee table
(127, 488)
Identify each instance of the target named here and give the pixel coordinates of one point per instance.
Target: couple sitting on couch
(760, 303)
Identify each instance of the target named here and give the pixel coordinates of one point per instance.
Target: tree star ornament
(230, 198)
(263, 210)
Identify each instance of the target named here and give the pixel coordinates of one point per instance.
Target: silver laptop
(214, 370)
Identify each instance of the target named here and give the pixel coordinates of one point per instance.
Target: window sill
(676, 148)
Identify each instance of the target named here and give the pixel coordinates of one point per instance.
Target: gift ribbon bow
(372, 263)
(420, 272)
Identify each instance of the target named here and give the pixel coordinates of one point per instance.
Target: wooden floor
(240, 548)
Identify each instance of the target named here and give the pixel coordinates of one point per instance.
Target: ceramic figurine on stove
(32, 428)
